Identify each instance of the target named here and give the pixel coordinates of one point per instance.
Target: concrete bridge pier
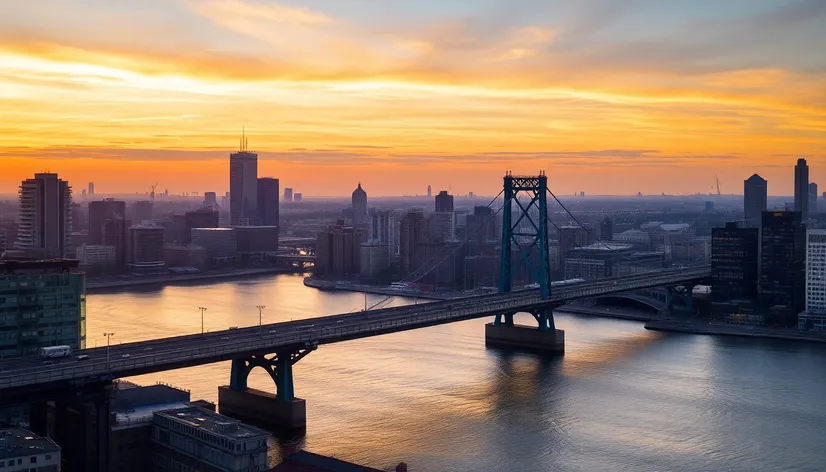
(281, 411)
(546, 339)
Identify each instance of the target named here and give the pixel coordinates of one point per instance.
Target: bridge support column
(280, 411)
(546, 339)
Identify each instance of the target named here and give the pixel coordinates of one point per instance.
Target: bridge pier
(547, 339)
(279, 411)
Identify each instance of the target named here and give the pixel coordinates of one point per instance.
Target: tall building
(288, 195)
(359, 206)
(816, 272)
(412, 233)
(783, 266)
(755, 198)
(143, 211)
(210, 199)
(243, 186)
(481, 225)
(429, 191)
(45, 217)
(444, 202)
(145, 245)
(115, 233)
(298, 197)
(606, 230)
(268, 196)
(812, 197)
(338, 250)
(734, 262)
(203, 218)
(441, 227)
(571, 237)
(43, 303)
(381, 230)
(91, 189)
(99, 212)
(801, 189)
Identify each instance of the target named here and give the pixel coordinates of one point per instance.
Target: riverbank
(606, 313)
(107, 285)
(675, 326)
(332, 285)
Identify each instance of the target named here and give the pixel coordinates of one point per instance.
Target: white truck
(53, 352)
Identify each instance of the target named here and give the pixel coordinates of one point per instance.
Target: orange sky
(607, 100)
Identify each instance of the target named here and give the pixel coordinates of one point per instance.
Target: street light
(108, 337)
(203, 309)
(260, 311)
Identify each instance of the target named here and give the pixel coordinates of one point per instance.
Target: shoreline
(742, 331)
(95, 286)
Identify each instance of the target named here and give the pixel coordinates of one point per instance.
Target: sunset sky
(607, 96)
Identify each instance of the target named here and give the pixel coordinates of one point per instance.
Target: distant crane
(718, 185)
(152, 194)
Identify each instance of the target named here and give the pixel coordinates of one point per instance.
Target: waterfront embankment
(692, 327)
(107, 284)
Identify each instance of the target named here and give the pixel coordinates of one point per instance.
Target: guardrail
(425, 315)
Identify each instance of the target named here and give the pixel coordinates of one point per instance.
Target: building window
(33, 460)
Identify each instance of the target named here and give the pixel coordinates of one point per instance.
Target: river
(622, 398)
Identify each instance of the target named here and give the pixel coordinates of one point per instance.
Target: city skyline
(609, 97)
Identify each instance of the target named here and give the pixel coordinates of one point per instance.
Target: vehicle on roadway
(82, 357)
(53, 352)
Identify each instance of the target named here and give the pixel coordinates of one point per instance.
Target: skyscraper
(210, 199)
(412, 233)
(734, 262)
(91, 189)
(606, 230)
(359, 205)
(143, 211)
(816, 272)
(45, 216)
(268, 196)
(99, 212)
(243, 186)
(801, 189)
(288, 195)
(812, 197)
(444, 202)
(783, 265)
(755, 197)
(429, 191)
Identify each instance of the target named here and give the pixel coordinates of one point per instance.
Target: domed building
(359, 205)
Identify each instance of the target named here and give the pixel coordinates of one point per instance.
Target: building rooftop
(16, 442)
(212, 422)
(675, 227)
(213, 229)
(38, 265)
(135, 396)
(607, 247)
(304, 461)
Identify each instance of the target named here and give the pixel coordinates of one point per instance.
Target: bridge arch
(634, 301)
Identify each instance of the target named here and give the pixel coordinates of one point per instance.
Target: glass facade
(42, 303)
(783, 265)
(734, 263)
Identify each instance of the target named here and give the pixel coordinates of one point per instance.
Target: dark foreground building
(783, 267)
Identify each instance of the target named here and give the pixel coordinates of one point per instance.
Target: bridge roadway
(33, 374)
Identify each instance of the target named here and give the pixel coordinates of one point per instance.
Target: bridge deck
(157, 355)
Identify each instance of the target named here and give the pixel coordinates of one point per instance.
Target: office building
(220, 243)
(481, 225)
(375, 261)
(80, 219)
(210, 200)
(570, 237)
(783, 266)
(42, 303)
(412, 232)
(145, 244)
(243, 187)
(288, 195)
(199, 439)
(816, 272)
(143, 212)
(189, 255)
(203, 218)
(606, 260)
(96, 255)
(382, 230)
(801, 189)
(91, 189)
(734, 262)
(45, 217)
(338, 250)
(115, 232)
(359, 206)
(812, 198)
(268, 195)
(298, 197)
(259, 239)
(606, 230)
(23, 451)
(441, 227)
(440, 264)
(429, 191)
(99, 212)
(755, 198)
(444, 202)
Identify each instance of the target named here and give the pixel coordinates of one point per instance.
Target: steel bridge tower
(525, 246)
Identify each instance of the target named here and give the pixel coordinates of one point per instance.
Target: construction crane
(718, 185)
(152, 194)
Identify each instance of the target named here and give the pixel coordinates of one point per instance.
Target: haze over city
(609, 96)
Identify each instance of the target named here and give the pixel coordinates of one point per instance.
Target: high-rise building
(298, 197)
(203, 218)
(571, 237)
(734, 262)
(99, 212)
(45, 217)
(429, 191)
(801, 189)
(288, 195)
(43, 303)
(812, 197)
(338, 250)
(816, 272)
(441, 227)
(359, 206)
(444, 202)
(210, 199)
(143, 211)
(268, 196)
(243, 186)
(755, 197)
(91, 189)
(481, 225)
(145, 244)
(115, 233)
(381, 230)
(606, 230)
(220, 243)
(412, 232)
(783, 266)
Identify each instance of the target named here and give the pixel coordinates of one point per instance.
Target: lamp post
(203, 309)
(108, 338)
(260, 315)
